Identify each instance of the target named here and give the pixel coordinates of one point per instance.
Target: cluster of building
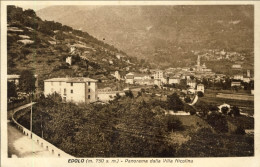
(216, 54)
(78, 90)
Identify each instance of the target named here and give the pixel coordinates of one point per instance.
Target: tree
(11, 89)
(224, 110)
(30, 12)
(240, 130)
(218, 122)
(27, 81)
(174, 124)
(187, 99)
(139, 94)
(129, 94)
(200, 94)
(174, 102)
(235, 110)
(213, 108)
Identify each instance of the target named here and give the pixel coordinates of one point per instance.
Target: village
(187, 81)
(74, 95)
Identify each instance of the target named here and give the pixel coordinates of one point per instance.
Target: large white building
(78, 90)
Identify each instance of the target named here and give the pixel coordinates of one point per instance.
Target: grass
(247, 106)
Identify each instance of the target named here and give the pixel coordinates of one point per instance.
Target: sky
(33, 6)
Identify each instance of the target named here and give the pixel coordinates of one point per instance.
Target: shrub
(187, 99)
(235, 110)
(189, 109)
(174, 124)
(218, 122)
(129, 94)
(224, 110)
(240, 130)
(174, 102)
(200, 94)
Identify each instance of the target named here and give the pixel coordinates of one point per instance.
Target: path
(21, 146)
(195, 100)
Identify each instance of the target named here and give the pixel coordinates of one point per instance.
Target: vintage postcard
(138, 83)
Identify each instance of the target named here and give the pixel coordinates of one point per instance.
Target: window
(71, 84)
(64, 99)
(88, 96)
(60, 83)
(65, 92)
(88, 90)
(71, 91)
(88, 83)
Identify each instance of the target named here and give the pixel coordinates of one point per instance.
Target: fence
(43, 143)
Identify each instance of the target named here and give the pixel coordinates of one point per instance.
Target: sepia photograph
(130, 81)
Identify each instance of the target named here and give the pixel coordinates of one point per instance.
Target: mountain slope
(43, 46)
(169, 31)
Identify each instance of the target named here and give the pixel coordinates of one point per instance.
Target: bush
(224, 110)
(218, 122)
(187, 99)
(240, 130)
(129, 94)
(189, 109)
(200, 94)
(174, 124)
(235, 110)
(174, 102)
(26, 51)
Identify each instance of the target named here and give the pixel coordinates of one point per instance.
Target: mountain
(163, 34)
(43, 47)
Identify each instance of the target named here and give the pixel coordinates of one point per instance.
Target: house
(235, 83)
(174, 80)
(13, 78)
(69, 60)
(116, 74)
(158, 74)
(118, 56)
(157, 82)
(238, 77)
(72, 49)
(111, 62)
(200, 88)
(191, 83)
(129, 78)
(246, 79)
(78, 90)
(248, 73)
(236, 66)
(141, 79)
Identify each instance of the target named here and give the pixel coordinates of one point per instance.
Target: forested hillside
(163, 34)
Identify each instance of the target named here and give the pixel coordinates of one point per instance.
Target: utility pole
(31, 114)
(41, 126)
(31, 121)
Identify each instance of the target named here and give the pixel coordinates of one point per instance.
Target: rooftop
(77, 79)
(13, 76)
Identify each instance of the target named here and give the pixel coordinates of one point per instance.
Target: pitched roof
(77, 79)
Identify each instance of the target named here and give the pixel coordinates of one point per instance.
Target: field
(247, 106)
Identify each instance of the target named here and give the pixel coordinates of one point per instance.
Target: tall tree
(174, 102)
(11, 90)
(27, 81)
